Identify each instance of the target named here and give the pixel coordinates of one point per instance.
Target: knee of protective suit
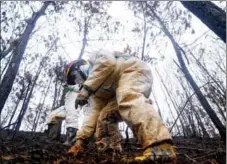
(112, 116)
(108, 144)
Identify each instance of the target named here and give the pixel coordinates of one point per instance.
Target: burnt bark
(210, 14)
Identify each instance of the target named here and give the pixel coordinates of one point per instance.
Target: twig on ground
(194, 161)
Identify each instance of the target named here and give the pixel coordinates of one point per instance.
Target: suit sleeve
(103, 65)
(57, 113)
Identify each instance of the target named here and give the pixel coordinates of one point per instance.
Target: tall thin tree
(11, 72)
(178, 50)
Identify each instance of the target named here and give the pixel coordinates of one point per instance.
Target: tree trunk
(20, 97)
(219, 108)
(173, 102)
(144, 36)
(221, 128)
(159, 110)
(210, 14)
(8, 79)
(178, 129)
(21, 111)
(28, 98)
(55, 94)
(205, 133)
(4, 68)
(219, 66)
(62, 101)
(36, 121)
(13, 114)
(203, 68)
(84, 42)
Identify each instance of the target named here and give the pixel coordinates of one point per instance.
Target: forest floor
(36, 148)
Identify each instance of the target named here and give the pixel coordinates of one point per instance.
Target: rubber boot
(70, 135)
(53, 131)
(161, 153)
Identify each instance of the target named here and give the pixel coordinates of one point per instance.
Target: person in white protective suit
(54, 122)
(107, 134)
(128, 80)
(67, 112)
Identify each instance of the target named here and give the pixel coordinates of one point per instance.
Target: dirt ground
(36, 148)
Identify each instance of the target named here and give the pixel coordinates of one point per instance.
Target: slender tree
(8, 79)
(201, 97)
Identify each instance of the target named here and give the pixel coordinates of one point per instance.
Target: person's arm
(56, 114)
(103, 65)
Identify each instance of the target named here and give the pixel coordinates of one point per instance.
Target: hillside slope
(36, 148)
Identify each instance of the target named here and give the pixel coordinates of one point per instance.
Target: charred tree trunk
(21, 111)
(144, 36)
(55, 94)
(203, 68)
(59, 95)
(192, 124)
(62, 101)
(20, 97)
(8, 79)
(178, 129)
(84, 41)
(221, 87)
(174, 104)
(200, 123)
(222, 69)
(14, 111)
(189, 111)
(6, 65)
(41, 108)
(210, 14)
(159, 110)
(27, 100)
(221, 128)
(219, 108)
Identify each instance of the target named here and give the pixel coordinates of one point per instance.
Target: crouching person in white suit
(67, 112)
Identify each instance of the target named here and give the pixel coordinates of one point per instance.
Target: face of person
(78, 79)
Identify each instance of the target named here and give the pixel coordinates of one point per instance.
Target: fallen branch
(194, 161)
(189, 148)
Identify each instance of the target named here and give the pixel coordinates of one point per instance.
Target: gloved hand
(82, 98)
(76, 148)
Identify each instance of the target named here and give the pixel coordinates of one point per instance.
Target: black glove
(80, 102)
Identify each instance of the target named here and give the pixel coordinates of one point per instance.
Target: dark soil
(36, 148)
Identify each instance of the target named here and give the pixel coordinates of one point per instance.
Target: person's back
(130, 80)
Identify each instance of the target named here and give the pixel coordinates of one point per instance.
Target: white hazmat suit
(128, 80)
(68, 111)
